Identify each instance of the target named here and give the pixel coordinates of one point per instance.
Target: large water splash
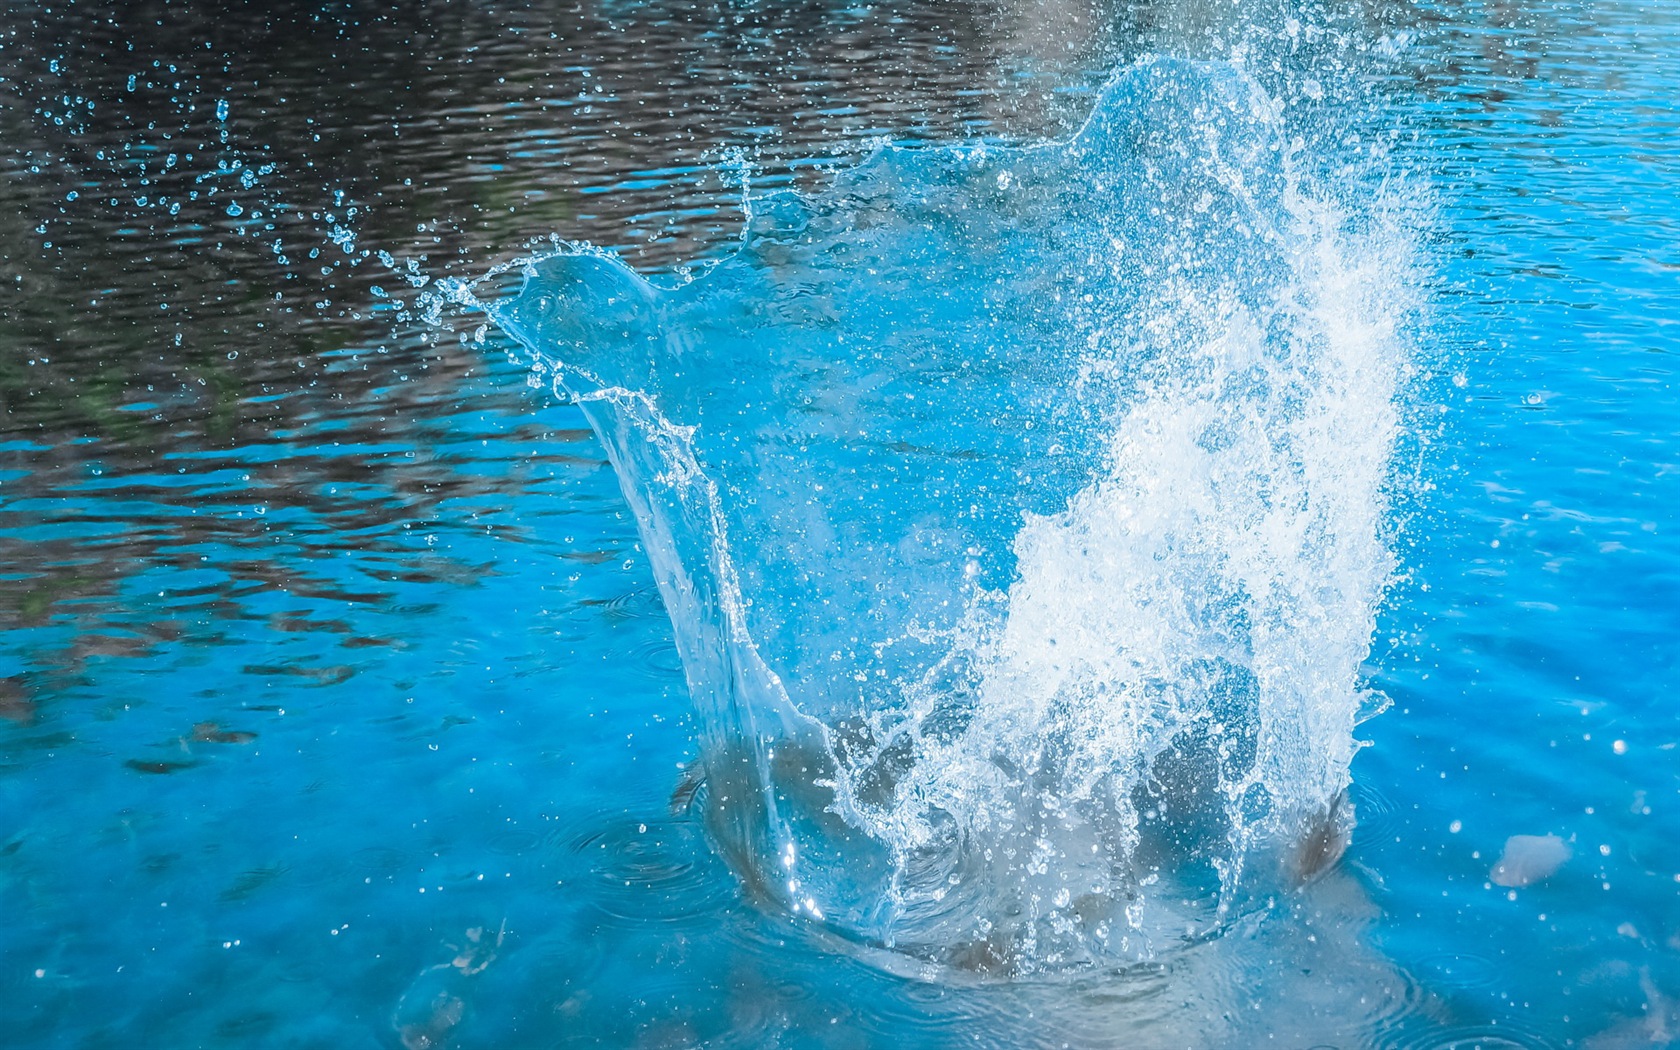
(1021, 516)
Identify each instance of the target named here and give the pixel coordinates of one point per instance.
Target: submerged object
(435, 1004)
(1021, 516)
(1528, 859)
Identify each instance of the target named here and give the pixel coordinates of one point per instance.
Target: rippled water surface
(339, 704)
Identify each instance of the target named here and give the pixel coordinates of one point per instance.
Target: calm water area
(339, 705)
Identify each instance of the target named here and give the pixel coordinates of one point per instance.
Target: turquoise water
(358, 692)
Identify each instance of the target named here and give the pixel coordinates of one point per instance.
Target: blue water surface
(1532, 654)
(345, 711)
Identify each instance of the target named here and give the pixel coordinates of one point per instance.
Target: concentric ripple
(1471, 1037)
(1456, 969)
(653, 871)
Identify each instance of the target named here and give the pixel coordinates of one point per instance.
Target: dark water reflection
(201, 347)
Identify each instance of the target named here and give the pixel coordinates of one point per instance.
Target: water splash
(1021, 513)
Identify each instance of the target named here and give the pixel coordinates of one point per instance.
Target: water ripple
(1377, 820)
(1471, 1037)
(653, 871)
(1452, 969)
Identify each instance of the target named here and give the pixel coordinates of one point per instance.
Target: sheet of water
(1020, 517)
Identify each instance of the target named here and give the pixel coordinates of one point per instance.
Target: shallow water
(340, 704)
